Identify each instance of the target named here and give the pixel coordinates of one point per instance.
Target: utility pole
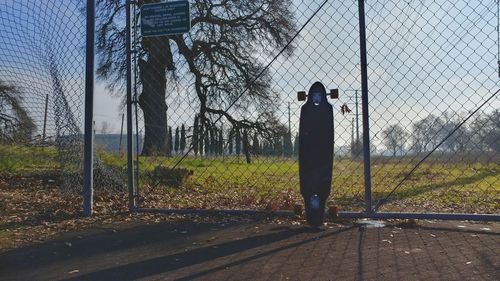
(289, 126)
(121, 134)
(356, 112)
(357, 119)
(352, 132)
(356, 147)
(45, 118)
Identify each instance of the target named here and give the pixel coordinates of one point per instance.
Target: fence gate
(213, 115)
(216, 115)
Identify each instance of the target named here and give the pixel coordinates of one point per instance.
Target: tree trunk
(152, 99)
(246, 148)
(152, 103)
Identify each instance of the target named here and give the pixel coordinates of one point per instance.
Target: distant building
(111, 142)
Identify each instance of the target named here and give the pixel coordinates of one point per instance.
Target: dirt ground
(247, 249)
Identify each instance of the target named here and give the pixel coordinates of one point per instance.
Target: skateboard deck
(316, 141)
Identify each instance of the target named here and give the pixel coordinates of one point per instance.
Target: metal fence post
(130, 167)
(364, 106)
(89, 112)
(44, 131)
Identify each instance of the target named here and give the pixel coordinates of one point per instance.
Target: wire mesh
(42, 72)
(216, 114)
(231, 110)
(430, 64)
(42, 62)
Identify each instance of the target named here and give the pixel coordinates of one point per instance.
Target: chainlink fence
(41, 75)
(230, 128)
(42, 89)
(216, 113)
(432, 64)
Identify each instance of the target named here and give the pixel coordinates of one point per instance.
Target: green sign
(165, 18)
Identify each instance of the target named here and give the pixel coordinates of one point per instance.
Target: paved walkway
(263, 251)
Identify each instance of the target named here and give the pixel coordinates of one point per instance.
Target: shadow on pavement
(176, 261)
(258, 250)
(93, 244)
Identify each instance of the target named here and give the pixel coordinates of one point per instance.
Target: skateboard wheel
(301, 96)
(334, 93)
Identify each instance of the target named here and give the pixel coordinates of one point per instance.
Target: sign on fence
(165, 18)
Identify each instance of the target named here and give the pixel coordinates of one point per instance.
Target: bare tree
(395, 138)
(420, 136)
(356, 149)
(15, 123)
(176, 140)
(456, 142)
(105, 127)
(222, 52)
(479, 132)
(427, 133)
(492, 126)
(182, 145)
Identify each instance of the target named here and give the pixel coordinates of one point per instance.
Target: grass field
(273, 183)
(18, 159)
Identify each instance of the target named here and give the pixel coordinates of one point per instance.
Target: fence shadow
(95, 242)
(177, 261)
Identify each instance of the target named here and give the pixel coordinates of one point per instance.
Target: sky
(423, 57)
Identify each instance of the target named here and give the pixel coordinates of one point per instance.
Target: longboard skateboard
(316, 151)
